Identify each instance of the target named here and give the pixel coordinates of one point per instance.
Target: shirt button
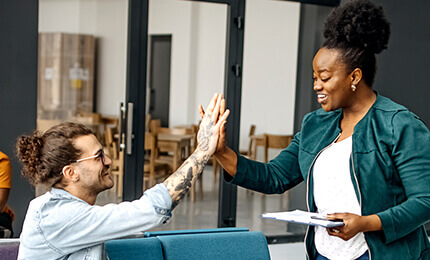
(162, 211)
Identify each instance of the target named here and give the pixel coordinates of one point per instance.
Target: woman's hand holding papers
(353, 225)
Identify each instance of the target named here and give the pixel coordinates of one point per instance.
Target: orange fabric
(5, 171)
(5, 178)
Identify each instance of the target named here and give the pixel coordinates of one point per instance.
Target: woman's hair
(44, 155)
(359, 30)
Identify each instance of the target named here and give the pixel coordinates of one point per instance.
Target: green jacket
(390, 171)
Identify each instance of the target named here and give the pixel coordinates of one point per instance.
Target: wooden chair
(153, 171)
(154, 125)
(117, 157)
(248, 152)
(147, 122)
(275, 142)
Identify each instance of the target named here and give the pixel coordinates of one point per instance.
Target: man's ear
(69, 172)
(356, 76)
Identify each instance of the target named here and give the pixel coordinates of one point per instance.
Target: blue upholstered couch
(221, 243)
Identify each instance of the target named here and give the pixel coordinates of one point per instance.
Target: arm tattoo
(179, 183)
(205, 135)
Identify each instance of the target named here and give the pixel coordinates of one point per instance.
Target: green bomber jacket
(390, 171)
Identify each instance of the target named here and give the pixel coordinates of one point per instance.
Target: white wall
(269, 67)
(107, 21)
(198, 52)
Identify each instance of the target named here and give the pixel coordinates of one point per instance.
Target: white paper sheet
(302, 217)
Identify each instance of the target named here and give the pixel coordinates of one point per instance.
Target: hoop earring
(353, 87)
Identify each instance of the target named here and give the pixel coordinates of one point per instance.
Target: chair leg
(200, 180)
(193, 193)
(120, 180)
(215, 167)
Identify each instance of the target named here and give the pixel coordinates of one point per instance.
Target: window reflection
(268, 95)
(186, 66)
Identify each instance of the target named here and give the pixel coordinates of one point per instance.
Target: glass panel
(82, 71)
(186, 67)
(268, 94)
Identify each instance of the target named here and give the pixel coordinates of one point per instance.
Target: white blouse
(334, 193)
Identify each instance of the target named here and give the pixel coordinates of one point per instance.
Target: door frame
(136, 93)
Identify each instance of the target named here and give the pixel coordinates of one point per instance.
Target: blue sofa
(222, 243)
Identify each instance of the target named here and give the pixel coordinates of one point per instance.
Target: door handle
(129, 136)
(121, 129)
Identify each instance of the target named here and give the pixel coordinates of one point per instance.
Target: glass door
(82, 72)
(268, 96)
(186, 66)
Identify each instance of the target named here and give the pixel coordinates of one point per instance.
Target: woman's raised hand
(221, 145)
(213, 123)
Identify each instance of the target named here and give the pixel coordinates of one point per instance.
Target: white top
(334, 193)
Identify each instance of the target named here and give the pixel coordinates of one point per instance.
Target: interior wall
(403, 68)
(269, 67)
(107, 21)
(18, 92)
(198, 53)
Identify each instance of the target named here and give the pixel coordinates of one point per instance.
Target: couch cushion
(9, 251)
(193, 231)
(137, 248)
(223, 245)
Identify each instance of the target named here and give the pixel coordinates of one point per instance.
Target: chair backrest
(276, 142)
(111, 142)
(194, 231)
(154, 125)
(220, 246)
(172, 131)
(251, 133)
(147, 122)
(137, 248)
(151, 145)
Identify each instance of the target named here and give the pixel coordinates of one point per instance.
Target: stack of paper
(303, 217)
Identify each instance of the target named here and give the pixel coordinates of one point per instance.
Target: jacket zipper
(359, 193)
(307, 187)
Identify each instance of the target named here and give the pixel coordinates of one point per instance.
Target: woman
(364, 158)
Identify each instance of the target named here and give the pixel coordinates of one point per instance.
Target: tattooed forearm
(205, 134)
(180, 182)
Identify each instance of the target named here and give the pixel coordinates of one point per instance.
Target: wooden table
(178, 144)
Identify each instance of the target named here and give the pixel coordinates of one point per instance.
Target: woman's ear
(70, 173)
(356, 76)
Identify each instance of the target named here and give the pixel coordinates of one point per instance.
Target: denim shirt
(59, 225)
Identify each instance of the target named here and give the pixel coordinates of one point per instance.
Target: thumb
(201, 111)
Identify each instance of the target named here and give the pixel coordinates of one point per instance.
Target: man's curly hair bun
(357, 24)
(29, 151)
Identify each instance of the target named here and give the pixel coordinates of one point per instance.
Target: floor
(203, 213)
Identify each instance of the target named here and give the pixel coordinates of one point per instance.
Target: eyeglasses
(101, 155)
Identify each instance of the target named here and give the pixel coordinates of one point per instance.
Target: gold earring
(353, 87)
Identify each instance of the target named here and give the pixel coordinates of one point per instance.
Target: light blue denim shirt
(59, 225)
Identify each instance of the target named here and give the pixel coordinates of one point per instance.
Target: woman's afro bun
(357, 24)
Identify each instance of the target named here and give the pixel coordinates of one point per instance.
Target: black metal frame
(136, 93)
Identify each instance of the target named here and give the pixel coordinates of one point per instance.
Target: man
(6, 215)
(64, 223)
